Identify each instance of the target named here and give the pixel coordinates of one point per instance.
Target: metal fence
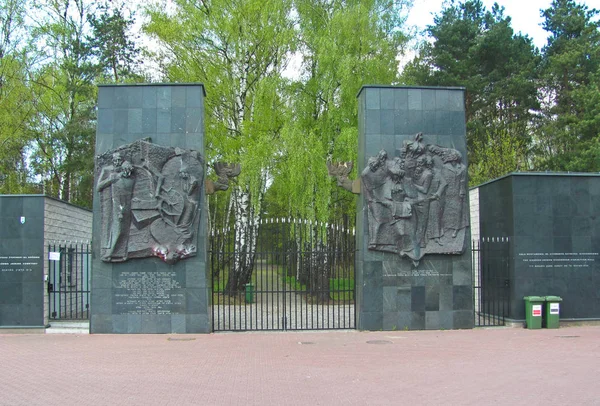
(69, 266)
(491, 280)
(299, 275)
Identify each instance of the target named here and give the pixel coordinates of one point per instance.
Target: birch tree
(238, 49)
(343, 45)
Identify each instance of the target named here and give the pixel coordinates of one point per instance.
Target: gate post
(413, 265)
(150, 220)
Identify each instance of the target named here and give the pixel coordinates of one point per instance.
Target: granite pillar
(143, 292)
(394, 292)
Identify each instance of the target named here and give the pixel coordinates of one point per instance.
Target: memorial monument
(413, 265)
(149, 256)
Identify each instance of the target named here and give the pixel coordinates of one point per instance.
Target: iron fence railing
(491, 281)
(292, 275)
(69, 266)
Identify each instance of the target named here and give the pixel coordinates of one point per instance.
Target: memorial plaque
(159, 292)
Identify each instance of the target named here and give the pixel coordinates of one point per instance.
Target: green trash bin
(552, 312)
(249, 292)
(533, 311)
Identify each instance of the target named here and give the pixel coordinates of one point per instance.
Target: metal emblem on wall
(417, 200)
(150, 201)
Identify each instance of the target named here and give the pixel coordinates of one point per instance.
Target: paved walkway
(499, 366)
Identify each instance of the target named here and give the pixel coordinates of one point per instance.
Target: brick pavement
(478, 367)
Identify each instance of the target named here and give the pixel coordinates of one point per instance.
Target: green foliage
(341, 289)
(526, 109)
(343, 45)
(15, 111)
(116, 51)
(293, 284)
(15, 97)
(568, 136)
(64, 94)
(478, 49)
(238, 50)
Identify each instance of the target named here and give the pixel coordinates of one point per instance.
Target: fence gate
(295, 275)
(69, 281)
(491, 280)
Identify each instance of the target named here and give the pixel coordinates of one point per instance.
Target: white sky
(525, 14)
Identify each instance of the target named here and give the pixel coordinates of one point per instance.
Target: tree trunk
(246, 232)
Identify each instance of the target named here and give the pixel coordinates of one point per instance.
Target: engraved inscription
(564, 260)
(149, 293)
(415, 272)
(19, 263)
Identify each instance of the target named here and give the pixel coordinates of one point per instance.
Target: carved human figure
(403, 216)
(435, 229)
(422, 183)
(454, 176)
(377, 186)
(189, 185)
(412, 150)
(119, 182)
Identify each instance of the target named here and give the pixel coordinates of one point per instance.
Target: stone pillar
(413, 264)
(150, 223)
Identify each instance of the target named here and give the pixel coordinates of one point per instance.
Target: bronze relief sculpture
(416, 202)
(150, 201)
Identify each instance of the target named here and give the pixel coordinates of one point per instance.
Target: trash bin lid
(553, 299)
(534, 298)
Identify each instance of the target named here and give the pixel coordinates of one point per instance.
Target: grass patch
(341, 289)
(294, 284)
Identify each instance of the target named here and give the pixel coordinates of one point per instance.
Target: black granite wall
(148, 295)
(391, 293)
(21, 261)
(553, 222)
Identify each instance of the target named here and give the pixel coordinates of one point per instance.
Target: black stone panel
(432, 298)
(417, 299)
(21, 261)
(146, 295)
(552, 222)
(134, 121)
(391, 292)
(462, 319)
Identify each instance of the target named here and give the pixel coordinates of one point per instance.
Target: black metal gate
(491, 280)
(69, 268)
(299, 275)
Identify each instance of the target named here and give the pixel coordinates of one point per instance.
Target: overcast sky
(525, 14)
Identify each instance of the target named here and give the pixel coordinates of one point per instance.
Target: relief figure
(435, 229)
(377, 186)
(117, 182)
(403, 216)
(422, 183)
(150, 203)
(454, 174)
(417, 200)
